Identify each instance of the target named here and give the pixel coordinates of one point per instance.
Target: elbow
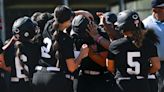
(71, 65)
(158, 67)
(71, 69)
(155, 61)
(155, 68)
(111, 66)
(111, 70)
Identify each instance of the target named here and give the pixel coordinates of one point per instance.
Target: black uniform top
(130, 60)
(1, 45)
(30, 55)
(88, 63)
(65, 50)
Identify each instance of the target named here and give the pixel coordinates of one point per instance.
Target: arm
(99, 58)
(3, 65)
(111, 66)
(155, 61)
(9, 43)
(86, 14)
(72, 63)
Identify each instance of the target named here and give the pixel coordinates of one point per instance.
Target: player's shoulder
(117, 43)
(148, 42)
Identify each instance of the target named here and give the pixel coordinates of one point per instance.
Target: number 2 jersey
(65, 50)
(130, 60)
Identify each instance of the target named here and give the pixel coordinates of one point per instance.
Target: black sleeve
(9, 55)
(67, 48)
(153, 51)
(1, 45)
(111, 55)
(151, 48)
(113, 51)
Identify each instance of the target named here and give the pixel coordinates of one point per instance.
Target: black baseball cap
(79, 30)
(79, 24)
(110, 18)
(157, 3)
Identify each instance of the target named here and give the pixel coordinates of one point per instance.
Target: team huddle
(66, 51)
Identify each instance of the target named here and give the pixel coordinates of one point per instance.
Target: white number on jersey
(132, 63)
(19, 67)
(46, 49)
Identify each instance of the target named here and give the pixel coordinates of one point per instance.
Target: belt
(55, 69)
(128, 78)
(15, 79)
(90, 72)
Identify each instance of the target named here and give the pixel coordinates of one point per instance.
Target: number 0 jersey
(130, 60)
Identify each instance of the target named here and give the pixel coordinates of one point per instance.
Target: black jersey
(28, 59)
(88, 63)
(65, 44)
(1, 45)
(130, 60)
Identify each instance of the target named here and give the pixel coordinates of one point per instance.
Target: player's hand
(99, 13)
(92, 30)
(84, 50)
(10, 42)
(15, 37)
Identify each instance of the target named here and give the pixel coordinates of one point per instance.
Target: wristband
(98, 39)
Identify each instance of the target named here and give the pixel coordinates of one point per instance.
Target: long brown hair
(61, 14)
(138, 37)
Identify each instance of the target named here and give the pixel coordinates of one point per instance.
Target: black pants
(92, 83)
(3, 87)
(160, 76)
(134, 85)
(21, 86)
(153, 85)
(45, 81)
